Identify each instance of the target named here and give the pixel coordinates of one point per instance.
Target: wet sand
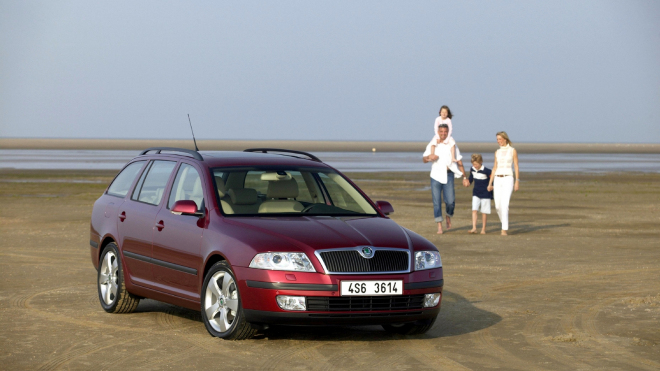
(316, 146)
(575, 286)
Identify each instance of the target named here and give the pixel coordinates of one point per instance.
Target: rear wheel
(110, 282)
(222, 311)
(412, 328)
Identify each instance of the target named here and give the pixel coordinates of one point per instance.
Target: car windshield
(311, 191)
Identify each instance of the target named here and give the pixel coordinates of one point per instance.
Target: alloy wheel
(221, 301)
(108, 278)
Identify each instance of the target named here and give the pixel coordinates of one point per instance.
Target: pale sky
(544, 71)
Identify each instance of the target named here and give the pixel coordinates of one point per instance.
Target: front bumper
(259, 289)
(328, 319)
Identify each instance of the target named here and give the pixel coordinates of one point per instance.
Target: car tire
(412, 328)
(110, 283)
(222, 311)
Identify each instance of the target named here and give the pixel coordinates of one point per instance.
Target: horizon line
(311, 140)
(315, 146)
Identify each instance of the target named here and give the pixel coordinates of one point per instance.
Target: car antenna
(193, 133)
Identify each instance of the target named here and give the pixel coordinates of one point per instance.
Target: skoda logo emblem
(367, 252)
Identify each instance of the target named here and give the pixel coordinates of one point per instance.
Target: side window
(154, 183)
(138, 186)
(187, 186)
(123, 181)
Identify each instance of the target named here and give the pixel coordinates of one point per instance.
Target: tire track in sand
(430, 355)
(26, 304)
(367, 358)
(82, 348)
(20, 300)
(307, 349)
(623, 355)
(176, 318)
(149, 361)
(533, 333)
(389, 352)
(485, 339)
(574, 277)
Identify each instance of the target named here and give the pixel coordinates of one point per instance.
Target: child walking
(444, 118)
(481, 196)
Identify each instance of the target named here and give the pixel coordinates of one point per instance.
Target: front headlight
(283, 261)
(427, 260)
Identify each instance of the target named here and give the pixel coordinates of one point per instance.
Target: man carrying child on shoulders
(445, 165)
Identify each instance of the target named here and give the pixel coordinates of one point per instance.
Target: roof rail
(266, 150)
(194, 154)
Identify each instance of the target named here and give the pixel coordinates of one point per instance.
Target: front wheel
(222, 312)
(110, 282)
(413, 328)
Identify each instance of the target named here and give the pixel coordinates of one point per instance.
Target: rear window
(123, 181)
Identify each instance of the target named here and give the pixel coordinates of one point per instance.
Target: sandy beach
(316, 146)
(575, 286)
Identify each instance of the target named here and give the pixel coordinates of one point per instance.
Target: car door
(115, 196)
(177, 242)
(137, 219)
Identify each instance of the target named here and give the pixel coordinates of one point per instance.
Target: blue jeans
(447, 191)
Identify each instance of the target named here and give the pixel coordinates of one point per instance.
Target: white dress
(503, 183)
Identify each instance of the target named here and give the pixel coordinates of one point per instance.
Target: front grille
(364, 303)
(350, 261)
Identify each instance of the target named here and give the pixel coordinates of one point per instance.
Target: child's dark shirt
(481, 179)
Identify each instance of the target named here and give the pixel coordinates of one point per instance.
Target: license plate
(371, 288)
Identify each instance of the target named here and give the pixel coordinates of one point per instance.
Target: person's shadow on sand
(514, 228)
(521, 228)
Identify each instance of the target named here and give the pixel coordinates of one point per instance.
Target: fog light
(430, 300)
(291, 302)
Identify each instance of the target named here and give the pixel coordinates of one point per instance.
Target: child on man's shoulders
(444, 118)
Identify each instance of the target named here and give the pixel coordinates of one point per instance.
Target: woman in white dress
(501, 182)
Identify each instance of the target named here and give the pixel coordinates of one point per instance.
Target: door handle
(160, 225)
(122, 216)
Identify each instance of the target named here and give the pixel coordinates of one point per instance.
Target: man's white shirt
(443, 163)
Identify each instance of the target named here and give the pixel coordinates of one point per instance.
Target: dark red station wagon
(256, 238)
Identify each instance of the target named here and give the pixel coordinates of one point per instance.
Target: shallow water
(346, 161)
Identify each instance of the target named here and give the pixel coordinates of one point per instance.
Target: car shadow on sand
(457, 316)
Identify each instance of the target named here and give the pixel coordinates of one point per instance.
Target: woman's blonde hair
(504, 136)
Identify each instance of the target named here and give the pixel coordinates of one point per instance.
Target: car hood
(319, 232)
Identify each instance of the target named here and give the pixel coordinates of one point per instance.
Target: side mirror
(385, 207)
(186, 207)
